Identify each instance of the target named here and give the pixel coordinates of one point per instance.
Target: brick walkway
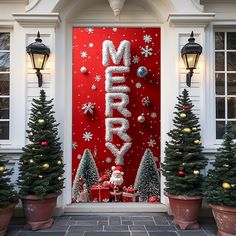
(136, 224)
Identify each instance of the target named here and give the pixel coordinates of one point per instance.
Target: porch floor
(114, 224)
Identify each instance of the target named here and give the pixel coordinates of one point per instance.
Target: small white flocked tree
(147, 180)
(87, 170)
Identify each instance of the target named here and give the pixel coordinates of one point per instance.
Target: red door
(111, 90)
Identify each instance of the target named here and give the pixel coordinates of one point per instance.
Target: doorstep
(114, 207)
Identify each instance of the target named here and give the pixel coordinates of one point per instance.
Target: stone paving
(122, 224)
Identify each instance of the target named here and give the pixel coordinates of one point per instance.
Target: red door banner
(116, 98)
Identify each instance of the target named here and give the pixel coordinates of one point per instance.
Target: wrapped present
(99, 193)
(130, 189)
(130, 197)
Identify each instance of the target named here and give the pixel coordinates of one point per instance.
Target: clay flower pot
(225, 218)
(39, 212)
(185, 210)
(5, 217)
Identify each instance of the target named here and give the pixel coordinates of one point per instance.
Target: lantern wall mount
(190, 54)
(39, 54)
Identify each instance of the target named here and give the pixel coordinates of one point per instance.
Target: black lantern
(39, 54)
(190, 54)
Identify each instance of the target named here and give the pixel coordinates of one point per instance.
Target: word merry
(116, 97)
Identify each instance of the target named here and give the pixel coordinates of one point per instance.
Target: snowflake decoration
(79, 156)
(114, 29)
(146, 101)
(74, 145)
(84, 54)
(146, 51)
(138, 85)
(98, 78)
(87, 136)
(88, 108)
(136, 59)
(94, 87)
(108, 160)
(147, 38)
(90, 30)
(90, 45)
(154, 115)
(151, 143)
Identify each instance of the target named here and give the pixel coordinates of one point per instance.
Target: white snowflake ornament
(108, 160)
(151, 143)
(147, 38)
(90, 30)
(87, 136)
(136, 59)
(88, 108)
(74, 145)
(93, 87)
(154, 115)
(146, 51)
(98, 78)
(138, 85)
(83, 54)
(146, 101)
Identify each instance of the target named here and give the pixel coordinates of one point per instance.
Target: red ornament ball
(44, 143)
(181, 173)
(186, 107)
(154, 199)
(73, 200)
(80, 179)
(25, 162)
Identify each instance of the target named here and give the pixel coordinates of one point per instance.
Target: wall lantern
(190, 54)
(39, 54)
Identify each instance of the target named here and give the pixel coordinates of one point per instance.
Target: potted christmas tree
(8, 196)
(41, 167)
(220, 185)
(182, 165)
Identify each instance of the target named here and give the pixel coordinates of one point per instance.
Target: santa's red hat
(117, 169)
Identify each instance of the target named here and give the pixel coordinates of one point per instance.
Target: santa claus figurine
(116, 183)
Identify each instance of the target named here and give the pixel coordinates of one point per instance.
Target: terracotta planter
(39, 212)
(225, 218)
(5, 217)
(185, 210)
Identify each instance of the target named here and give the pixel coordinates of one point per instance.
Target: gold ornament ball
(40, 176)
(31, 161)
(226, 185)
(186, 130)
(45, 166)
(183, 115)
(59, 162)
(232, 185)
(41, 121)
(197, 141)
(196, 172)
(2, 168)
(31, 134)
(59, 178)
(194, 129)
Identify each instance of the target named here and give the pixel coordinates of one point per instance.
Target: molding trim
(38, 19)
(190, 20)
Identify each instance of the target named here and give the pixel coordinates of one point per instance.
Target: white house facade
(213, 89)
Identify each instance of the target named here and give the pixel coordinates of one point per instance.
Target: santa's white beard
(116, 180)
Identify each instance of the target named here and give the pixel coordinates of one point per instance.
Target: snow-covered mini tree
(87, 173)
(147, 180)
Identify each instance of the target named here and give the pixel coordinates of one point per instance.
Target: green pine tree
(147, 180)
(87, 170)
(7, 193)
(220, 183)
(41, 167)
(183, 153)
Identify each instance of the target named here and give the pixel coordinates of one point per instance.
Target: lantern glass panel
(192, 60)
(39, 61)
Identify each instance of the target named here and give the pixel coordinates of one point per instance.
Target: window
(225, 80)
(4, 85)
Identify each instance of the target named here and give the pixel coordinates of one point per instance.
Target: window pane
(220, 129)
(220, 84)
(4, 108)
(231, 61)
(231, 107)
(220, 61)
(4, 130)
(219, 40)
(4, 41)
(220, 108)
(4, 84)
(231, 40)
(231, 84)
(4, 61)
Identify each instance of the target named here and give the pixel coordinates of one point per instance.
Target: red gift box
(130, 189)
(99, 193)
(130, 197)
